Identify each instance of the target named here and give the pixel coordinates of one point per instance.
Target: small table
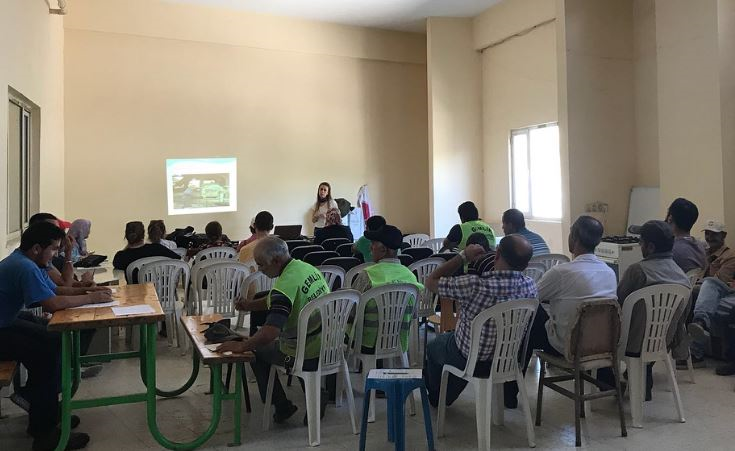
(71, 321)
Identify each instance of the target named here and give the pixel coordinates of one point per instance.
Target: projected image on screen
(201, 185)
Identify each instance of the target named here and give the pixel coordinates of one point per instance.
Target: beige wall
(599, 107)
(162, 81)
(519, 88)
(689, 115)
(31, 62)
(726, 28)
(455, 120)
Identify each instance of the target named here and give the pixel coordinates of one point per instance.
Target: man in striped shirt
(514, 222)
(474, 293)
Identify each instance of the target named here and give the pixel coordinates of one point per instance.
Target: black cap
(389, 235)
(659, 233)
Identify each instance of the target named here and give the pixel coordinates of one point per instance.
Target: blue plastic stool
(396, 392)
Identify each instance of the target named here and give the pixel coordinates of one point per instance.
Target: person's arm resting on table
(51, 298)
(269, 332)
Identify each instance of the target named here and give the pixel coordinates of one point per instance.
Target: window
(536, 171)
(23, 165)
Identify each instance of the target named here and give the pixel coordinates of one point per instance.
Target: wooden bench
(7, 373)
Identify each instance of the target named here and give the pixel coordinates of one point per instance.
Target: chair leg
(530, 433)
(540, 395)
(228, 376)
(312, 386)
(411, 400)
(442, 404)
(350, 395)
(269, 399)
(619, 397)
(581, 394)
(498, 407)
(426, 341)
(368, 363)
(245, 390)
(427, 419)
(481, 408)
(675, 388)
(577, 407)
(636, 385)
(339, 388)
(690, 368)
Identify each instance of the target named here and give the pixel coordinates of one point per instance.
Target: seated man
(688, 252)
(486, 261)
(275, 342)
(362, 245)
(24, 283)
(514, 222)
(474, 294)
(384, 245)
(470, 223)
(657, 267)
(61, 269)
(719, 274)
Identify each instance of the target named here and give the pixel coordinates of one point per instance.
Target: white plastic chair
(512, 318)
(165, 275)
(416, 239)
(137, 265)
(331, 273)
(334, 311)
(224, 282)
(535, 271)
(193, 293)
(260, 282)
(215, 252)
(180, 250)
(661, 303)
(425, 307)
(549, 260)
(392, 301)
(434, 244)
(349, 278)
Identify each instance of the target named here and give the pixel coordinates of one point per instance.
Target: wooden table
(71, 321)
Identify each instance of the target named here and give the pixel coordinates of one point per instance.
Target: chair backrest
(131, 272)
(427, 299)
(218, 252)
(344, 250)
(293, 244)
(549, 260)
(331, 244)
(352, 274)
(416, 239)
(392, 302)
(595, 331)
(259, 281)
(300, 252)
(535, 271)
(333, 310)
(405, 259)
(180, 250)
(446, 256)
(661, 302)
(334, 275)
(165, 275)
(318, 257)
(345, 263)
(512, 319)
(434, 244)
(224, 282)
(418, 253)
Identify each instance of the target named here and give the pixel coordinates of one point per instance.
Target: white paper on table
(397, 373)
(132, 310)
(104, 304)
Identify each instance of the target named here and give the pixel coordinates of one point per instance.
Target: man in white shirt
(564, 287)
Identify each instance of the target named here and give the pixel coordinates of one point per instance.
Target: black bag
(220, 332)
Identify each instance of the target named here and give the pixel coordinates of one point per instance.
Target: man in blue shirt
(24, 283)
(515, 222)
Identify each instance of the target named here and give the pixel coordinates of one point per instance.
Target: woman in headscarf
(333, 228)
(79, 232)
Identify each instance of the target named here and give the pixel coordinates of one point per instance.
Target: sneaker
(725, 370)
(48, 442)
(91, 371)
(281, 417)
(21, 402)
(697, 362)
(323, 400)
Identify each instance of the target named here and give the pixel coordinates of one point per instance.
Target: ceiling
(403, 15)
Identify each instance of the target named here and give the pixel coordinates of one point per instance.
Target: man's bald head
(513, 253)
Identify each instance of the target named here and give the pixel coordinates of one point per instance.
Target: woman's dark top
(332, 231)
(127, 256)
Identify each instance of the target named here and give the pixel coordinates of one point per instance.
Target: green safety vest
(470, 227)
(300, 283)
(383, 273)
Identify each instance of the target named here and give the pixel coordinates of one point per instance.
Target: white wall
(726, 28)
(31, 62)
(455, 120)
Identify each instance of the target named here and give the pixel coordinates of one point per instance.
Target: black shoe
(91, 371)
(281, 417)
(74, 424)
(48, 442)
(725, 370)
(323, 400)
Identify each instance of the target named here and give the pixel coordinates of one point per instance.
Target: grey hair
(271, 248)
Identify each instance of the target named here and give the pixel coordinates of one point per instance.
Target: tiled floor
(708, 407)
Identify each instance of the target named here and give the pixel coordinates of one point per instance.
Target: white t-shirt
(323, 209)
(567, 285)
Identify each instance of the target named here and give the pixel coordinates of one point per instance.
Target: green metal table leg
(66, 347)
(76, 361)
(164, 393)
(150, 378)
(238, 404)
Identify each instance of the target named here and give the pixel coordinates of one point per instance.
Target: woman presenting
(324, 203)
